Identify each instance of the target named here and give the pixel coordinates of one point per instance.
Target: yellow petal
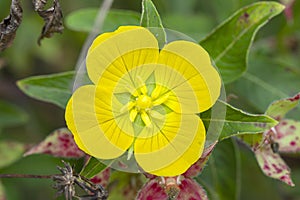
(161, 99)
(126, 48)
(133, 114)
(104, 36)
(174, 148)
(145, 117)
(191, 156)
(92, 136)
(193, 62)
(182, 96)
(72, 127)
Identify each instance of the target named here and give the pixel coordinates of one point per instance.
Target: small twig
(26, 176)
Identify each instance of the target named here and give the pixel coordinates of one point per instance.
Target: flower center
(144, 102)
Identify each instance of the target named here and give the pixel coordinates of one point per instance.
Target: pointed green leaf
(151, 19)
(238, 122)
(92, 168)
(229, 43)
(266, 81)
(53, 88)
(83, 19)
(11, 115)
(10, 152)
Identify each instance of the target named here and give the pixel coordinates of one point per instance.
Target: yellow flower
(144, 101)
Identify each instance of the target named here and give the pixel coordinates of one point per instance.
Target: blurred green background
(276, 47)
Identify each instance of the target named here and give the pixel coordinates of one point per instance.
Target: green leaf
(92, 168)
(151, 19)
(11, 115)
(229, 43)
(10, 152)
(222, 178)
(266, 81)
(53, 88)
(238, 122)
(83, 19)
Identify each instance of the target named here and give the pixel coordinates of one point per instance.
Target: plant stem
(25, 176)
(98, 24)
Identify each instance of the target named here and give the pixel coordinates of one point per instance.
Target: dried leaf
(288, 136)
(59, 143)
(272, 164)
(10, 24)
(53, 18)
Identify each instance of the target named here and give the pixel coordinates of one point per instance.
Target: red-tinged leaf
(191, 190)
(288, 136)
(102, 178)
(59, 143)
(288, 11)
(152, 190)
(272, 164)
(197, 168)
(10, 152)
(253, 141)
(278, 109)
(171, 188)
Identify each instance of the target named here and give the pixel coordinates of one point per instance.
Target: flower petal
(174, 148)
(182, 98)
(193, 62)
(119, 45)
(91, 136)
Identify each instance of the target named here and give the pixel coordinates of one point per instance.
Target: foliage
(256, 55)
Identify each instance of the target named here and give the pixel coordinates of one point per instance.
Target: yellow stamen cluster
(143, 103)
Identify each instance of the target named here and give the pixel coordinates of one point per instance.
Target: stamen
(143, 87)
(161, 99)
(156, 92)
(145, 117)
(133, 114)
(127, 106)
